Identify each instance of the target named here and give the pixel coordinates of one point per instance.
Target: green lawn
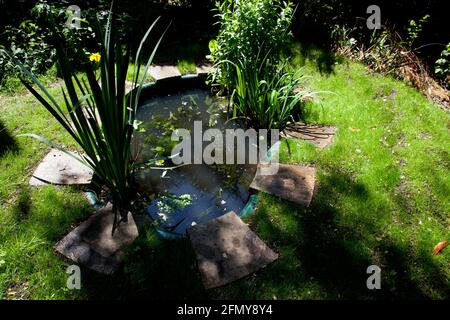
(382, 199)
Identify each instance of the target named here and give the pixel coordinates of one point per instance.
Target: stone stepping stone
(292, 182)
(128, 86)
(321, 136)
(59, 168)
(162, 72)
(228, 250)
(204, 68)
(92, 245)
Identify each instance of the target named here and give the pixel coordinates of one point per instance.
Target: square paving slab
(91, 243)
(162, 72)
(228, 250)
(321, 136)
(292, 182)
(59, 168)
(204, 68)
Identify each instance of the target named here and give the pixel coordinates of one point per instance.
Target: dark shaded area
(156, 269)
(193, 23)
(315, 19)
(7, 142)
(53, 226)
(22, 206)
(319, 249)
(339, 263)
(323, 59)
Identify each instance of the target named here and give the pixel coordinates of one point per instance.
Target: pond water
(192, 194)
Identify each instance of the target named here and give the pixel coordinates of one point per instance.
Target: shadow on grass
(318, 252)
(22, 206)
(153, 269)
(7, 142)
(56, 212)
(316, 249)
(324, 60)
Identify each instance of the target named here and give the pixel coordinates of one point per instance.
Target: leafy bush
(253, 29)
(33, 41)
(415, 28)
(442, 65)
(387, 53)
(248, 54)
(26, 42)
(99, 117)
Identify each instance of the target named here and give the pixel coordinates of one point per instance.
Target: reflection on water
(190, 194)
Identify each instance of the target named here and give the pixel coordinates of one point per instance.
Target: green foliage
(248, 54)
(253, 30)
(415, 29)
(100, 118)
(267, 100)
(34, 41)
(442, 65)
(26, 42)
(186, 66)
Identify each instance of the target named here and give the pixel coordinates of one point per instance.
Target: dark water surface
(195, 193)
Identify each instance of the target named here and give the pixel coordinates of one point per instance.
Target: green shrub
(442, 65)
(248, 55)
(27, 43)
(33, 41)
(253, 30)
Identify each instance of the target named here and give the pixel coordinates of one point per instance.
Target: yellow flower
(159, 163)
(95, 57)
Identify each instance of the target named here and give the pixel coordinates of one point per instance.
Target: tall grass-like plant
(100, 117)
(267, 100)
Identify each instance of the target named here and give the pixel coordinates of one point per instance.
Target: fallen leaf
(439, 247)
(355, 129)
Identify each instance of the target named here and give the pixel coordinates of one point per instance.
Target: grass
(382, 196)
(382, 199)
(32, 220)
(130, 72)
(186, 66)
(12, 84)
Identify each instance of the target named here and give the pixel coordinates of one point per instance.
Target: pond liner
(172, 85)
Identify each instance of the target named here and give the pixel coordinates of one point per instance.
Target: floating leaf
(158, 149)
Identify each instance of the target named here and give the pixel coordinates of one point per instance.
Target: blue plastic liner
(249, 207)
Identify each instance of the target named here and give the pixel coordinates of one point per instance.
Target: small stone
(93, 245)
(162, 72)
(59, 168)
(228, 250)
(292, 182)
(202, 69)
